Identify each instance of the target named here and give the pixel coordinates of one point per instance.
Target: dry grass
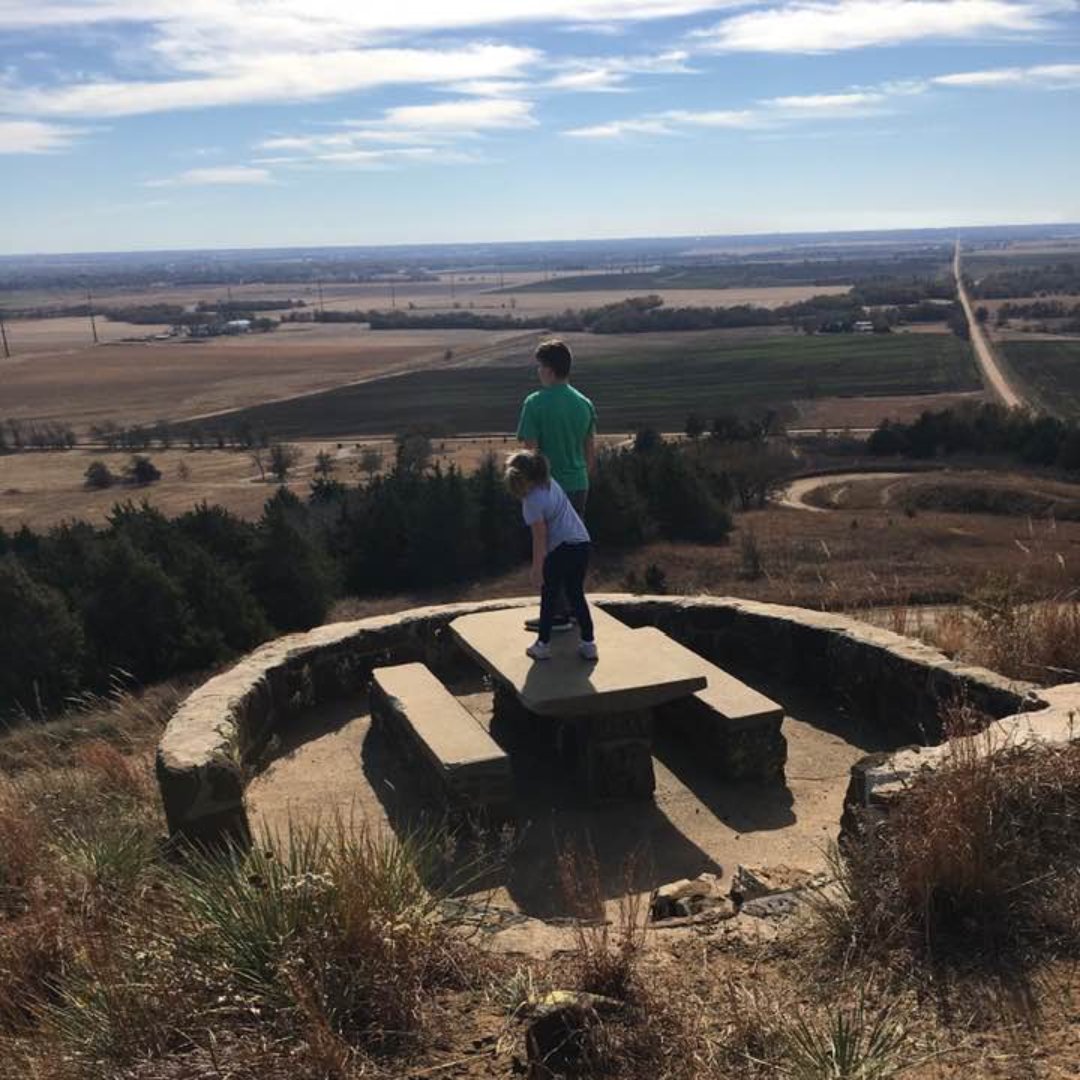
(130, 721)
(979, 860)
(1037, 641)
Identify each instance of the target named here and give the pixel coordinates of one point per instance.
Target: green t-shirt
(559, 419)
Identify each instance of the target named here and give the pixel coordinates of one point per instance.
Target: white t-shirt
(549, 503)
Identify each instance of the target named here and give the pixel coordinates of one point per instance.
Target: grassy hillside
(635, 383)
(1051, 369)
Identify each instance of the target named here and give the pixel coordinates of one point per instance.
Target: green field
(636, 382)
(820, 270)
(1051, 370)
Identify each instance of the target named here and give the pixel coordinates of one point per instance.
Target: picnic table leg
(615, 755)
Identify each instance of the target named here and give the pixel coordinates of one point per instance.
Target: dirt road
(984, 351)
(794, 495)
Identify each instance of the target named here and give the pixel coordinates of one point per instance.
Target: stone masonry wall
(205, 755)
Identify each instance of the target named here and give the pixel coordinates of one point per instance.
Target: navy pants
(564, 573)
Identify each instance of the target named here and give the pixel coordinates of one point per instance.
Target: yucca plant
(109, 856)
(849, 1044)
(337, 920)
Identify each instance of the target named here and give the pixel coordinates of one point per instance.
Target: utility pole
(452, 287)
(322, 306)
(3, 337)
(90, 311)
(393, 297)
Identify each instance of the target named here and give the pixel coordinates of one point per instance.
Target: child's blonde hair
(525, 470)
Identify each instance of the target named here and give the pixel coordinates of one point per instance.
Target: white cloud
(372, 17)
(820, 26)
(769, 113)
(610, 73)
(828, 103)
(278, 77)
(488, 87)
(224, 175)
(35, 137)
(403, 135)
(1045, 75)
(671, 122)
(463, 116)
(616, 129)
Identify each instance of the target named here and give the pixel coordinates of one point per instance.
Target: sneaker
(538, 650)
(559, 626)
(587, 650)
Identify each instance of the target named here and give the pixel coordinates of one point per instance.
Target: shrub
(142, 471)
(98, 475)
(752, 565)
(283, 458)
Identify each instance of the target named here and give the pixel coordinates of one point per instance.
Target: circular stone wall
(206, 753)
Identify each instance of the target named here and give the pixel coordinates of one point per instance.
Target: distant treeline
(748, 273)
(160, 312)
(1060, 277)
(982, 429)
(17, 435)
(153, 597)
(1053, 315)
(880, 303)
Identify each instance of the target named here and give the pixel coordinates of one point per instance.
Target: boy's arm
(528, 430)
(539, 550)
(590, 442)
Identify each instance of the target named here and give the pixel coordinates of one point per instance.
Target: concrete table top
(629, 675)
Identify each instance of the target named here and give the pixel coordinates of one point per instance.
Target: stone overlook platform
(891, 687)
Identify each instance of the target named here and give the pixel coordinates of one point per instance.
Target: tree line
(982, 429)
(152, 596)
(885, 304)
(1061, 277)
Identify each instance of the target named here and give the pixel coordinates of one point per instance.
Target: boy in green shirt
(560, 422)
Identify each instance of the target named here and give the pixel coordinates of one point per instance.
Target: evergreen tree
(41, 642)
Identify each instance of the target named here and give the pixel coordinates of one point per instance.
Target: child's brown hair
(525, 470)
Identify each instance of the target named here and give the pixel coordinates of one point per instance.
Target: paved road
(984, 351)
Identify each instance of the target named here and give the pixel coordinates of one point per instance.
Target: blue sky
(140, 124)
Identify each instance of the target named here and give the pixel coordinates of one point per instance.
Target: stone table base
(610, 754)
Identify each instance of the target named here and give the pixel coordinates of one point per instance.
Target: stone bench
(736, 726)
(470, 770)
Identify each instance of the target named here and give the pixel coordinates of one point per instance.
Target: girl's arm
(539, 550)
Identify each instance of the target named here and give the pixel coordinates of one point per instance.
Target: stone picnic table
(599, 714)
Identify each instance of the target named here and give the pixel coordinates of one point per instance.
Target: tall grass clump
(606, 960)
(334, 925)
(979, 858)
(650, 1025)
(1035, 640)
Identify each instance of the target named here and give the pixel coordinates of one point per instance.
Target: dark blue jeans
(564, 572)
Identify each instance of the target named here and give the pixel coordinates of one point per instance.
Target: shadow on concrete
(829, 716)
(744, 807)
(631, 848)
(316, 723)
